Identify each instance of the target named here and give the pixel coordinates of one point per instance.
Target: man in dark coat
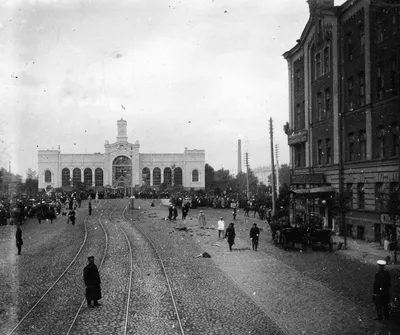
(92, 281)
(71, 216)
(170, 212)
(90, 208)
(381, 291)
(254, 234)
(230, 235)
(18, 239)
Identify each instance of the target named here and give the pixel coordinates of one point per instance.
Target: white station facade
(121, 165)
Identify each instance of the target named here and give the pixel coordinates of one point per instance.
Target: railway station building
(344, 114)
(121, 165)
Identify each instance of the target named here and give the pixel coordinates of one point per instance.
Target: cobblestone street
(271, 291)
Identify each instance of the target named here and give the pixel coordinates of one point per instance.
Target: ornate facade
(121, 165)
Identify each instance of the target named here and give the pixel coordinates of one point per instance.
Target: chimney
(239, 156)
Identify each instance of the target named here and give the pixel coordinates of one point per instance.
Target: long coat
(381, 286)
(92, 281)
(202, 219)
(230, 235)
(254, 233)
(18, 237)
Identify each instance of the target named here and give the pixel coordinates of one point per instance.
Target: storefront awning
(322, 189)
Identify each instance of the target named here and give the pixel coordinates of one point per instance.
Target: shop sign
(314, 178)
(386, 219)
(298, 137)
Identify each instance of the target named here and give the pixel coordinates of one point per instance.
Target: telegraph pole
(247, 175)
(277, 169)
(271, 134)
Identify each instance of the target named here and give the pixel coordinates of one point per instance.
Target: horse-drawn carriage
(307, 235)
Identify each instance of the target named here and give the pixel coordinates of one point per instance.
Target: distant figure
(170, 212)
(254, 234)
(202, 220)
(230, 235)
(175, 212)
(71, 216)
(90, 208)
(92, 281)
(381, 291)
(18, 239)
(97, 198)
(221, 227)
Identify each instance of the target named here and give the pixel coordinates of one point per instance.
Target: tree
(340, 207)
(31, 182)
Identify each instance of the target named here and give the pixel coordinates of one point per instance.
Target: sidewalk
(367, 252)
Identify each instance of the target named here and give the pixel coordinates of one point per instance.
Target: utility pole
(271, 133)
(247, 175)
(277, 169)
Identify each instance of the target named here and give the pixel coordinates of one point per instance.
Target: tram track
(38, 307)
(162, 267)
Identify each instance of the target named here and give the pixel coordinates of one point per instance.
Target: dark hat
(90, 258)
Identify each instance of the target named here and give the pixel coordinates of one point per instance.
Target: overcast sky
(191, 73)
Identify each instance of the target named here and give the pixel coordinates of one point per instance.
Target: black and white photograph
(200, 167)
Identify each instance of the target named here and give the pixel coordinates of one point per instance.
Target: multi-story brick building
(344, 119)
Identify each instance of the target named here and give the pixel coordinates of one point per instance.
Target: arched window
(168, 176)
(87, 177)
(122, 170)
(178, 176)
(195, 175)
(47, 176)
(146, 176)
(65, 177)
(156, 176)
(76, 175)
(98, 177)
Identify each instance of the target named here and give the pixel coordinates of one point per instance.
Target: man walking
(92, 281)
(254, 234)
(71, 216)
(18, 239)
(230, 234)
(221, 227)
(381, 292)
(202, 220)
(90, 208)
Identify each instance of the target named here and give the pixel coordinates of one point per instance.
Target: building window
(327, 63)
(362, 39)
(349, 191)
(380, 82)
(328, 108)
(47, 176)
(394, 70)
(195, 176)
(76, 176)
(360, 196)
(394, 188)
(350, 48)
(87, 177)
(298, 80)
(379, 197)
(317, 65)
(300, 155)
(379, 31)
(156, 176)
(361, 80)
(320, 152)
(178, 176)
(381, 133)
(362, 139)
(328, 149)
(350, 93)
(350, 147)
(98, 177)
(298, 117)
(168, 176)
(320, 107)
(65, 177)
(146, 176)
(395, 138)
